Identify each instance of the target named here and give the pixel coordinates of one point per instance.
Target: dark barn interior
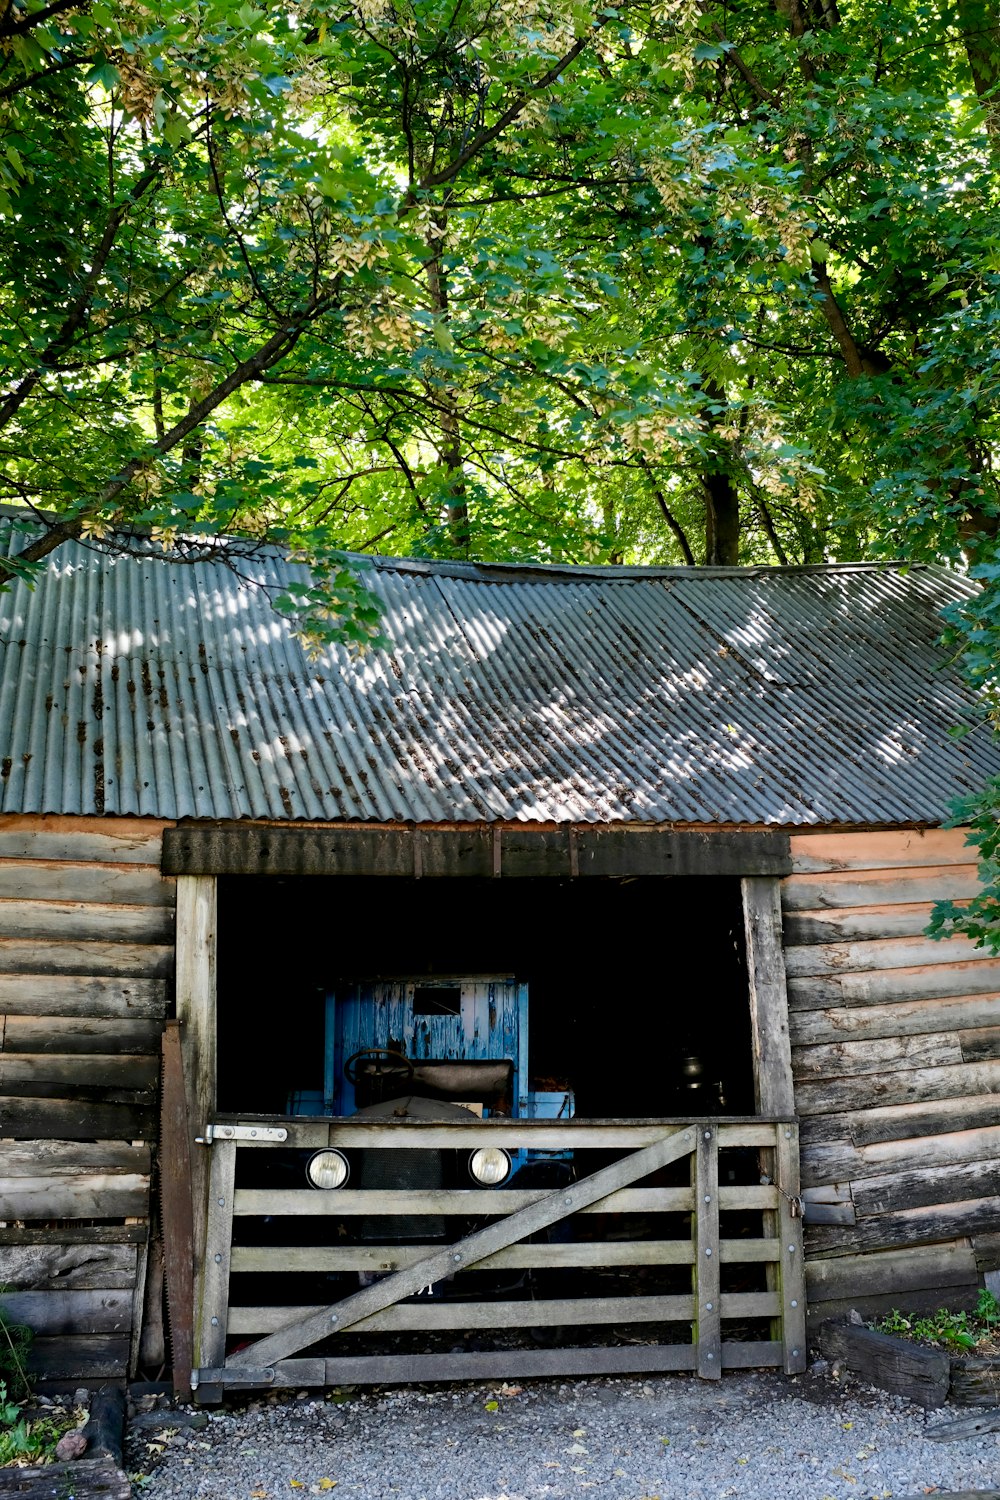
(637, 988)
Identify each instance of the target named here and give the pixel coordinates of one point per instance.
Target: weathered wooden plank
(22, 1070)
(70, 1158)
(428, 1315)
(37, 880)
(914, 1018)
(543, 1135)
(74, 1234)
(791, 1290)
(960, 1298)
(103, 1311)
(96, 1196)
(843, 1161)
(65, 1267)
(124, 960)
(79, 1356)
(707, 1308)
(920, 1375)
(389, 852)
(858, 1058)
(958, 1429)
(84, 840)
(925, 1187)
(980, 1044)
(768, 1000)
(507, 1364)
(531, 1219)
(895, 1272)
(215, 1315)
(461, 1201)
(847, 888)
(915, 1226)
(856, 924)
(82, 995)
(472, 1201)
(883, 850)
(78, 920)
(928, 981)
(916, 1120)
(913, 1086)
(879, 954)
(75, 1119)
(67, 1034)
(97, 1480)
(593, 1254)
(975, 1382)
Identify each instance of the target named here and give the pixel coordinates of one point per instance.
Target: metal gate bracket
(241, 1133)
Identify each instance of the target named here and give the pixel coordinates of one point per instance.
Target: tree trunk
(450, 447)
(722, 520)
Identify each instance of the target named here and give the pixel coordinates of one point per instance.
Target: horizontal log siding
(86, 955)
(896, 1059)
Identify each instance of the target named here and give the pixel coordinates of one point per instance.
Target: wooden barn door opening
(675, 1244)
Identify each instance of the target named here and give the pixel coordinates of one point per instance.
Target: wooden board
(879, 887)
(916, 1226)
(76, 1119)
(842, 1161)
(84, 839)
(87, 1479)
(79, 1356)
(880, 851)
(85, 920)
(38, 880)
(892, 1271)
(918, 1085)
(914, 1018)
(542, 1135)
(857, 924)
(855, 1059)
(95, 1196)
(19, 1072)
(768, 999)
(926, 1186)
(67, 1267)
(79, 1034)
(124, 960)
(427, 1315)
(82, 995)
(69, 1158)
(877, 954)
(919, 1374)
(980, 976)
(76, 1312)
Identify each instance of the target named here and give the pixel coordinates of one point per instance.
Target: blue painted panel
(492, 1023)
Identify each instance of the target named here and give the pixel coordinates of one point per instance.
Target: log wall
(896, 1061)
(86, 957)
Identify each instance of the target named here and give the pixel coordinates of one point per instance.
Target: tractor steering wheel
(393, 1067)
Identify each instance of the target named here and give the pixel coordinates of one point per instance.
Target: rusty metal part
(176, 1210)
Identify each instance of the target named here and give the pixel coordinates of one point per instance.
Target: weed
(959, 1331)
(23, 1441)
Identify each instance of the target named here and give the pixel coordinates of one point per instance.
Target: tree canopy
(643, 281)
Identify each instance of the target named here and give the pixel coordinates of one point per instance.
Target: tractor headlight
(490, 1165)
(328, 1169)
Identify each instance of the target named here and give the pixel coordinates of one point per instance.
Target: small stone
(855, 1317)
(81, 1397)
(70, 1446)
(820, 1367)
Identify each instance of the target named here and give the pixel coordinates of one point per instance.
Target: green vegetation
(25, 1440)
(957, 1331)
(652, 280)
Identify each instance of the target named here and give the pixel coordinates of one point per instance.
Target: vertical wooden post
(707, 1252)
(218, 1254)
(772, 1053)
(197, 907)
(791, 1269)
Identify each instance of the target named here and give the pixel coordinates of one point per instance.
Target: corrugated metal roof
(776, 696)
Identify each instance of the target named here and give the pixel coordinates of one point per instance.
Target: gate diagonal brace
(465, 1253)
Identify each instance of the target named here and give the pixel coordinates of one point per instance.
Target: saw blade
(177, 1215)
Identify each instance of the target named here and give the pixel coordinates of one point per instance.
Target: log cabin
(662, 842)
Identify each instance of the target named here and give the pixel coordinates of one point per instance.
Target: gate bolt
(215, 1322)
(333, 1317)
(708, 1251)
(708, 1307)
(218, 1260)
(456, 1258)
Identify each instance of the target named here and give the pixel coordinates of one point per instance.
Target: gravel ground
(753, 1436)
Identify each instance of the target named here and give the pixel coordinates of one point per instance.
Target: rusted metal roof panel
(789, 697)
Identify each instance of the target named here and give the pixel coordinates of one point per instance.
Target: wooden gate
(662, 1171)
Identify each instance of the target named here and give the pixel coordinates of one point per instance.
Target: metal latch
(241, 1133)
